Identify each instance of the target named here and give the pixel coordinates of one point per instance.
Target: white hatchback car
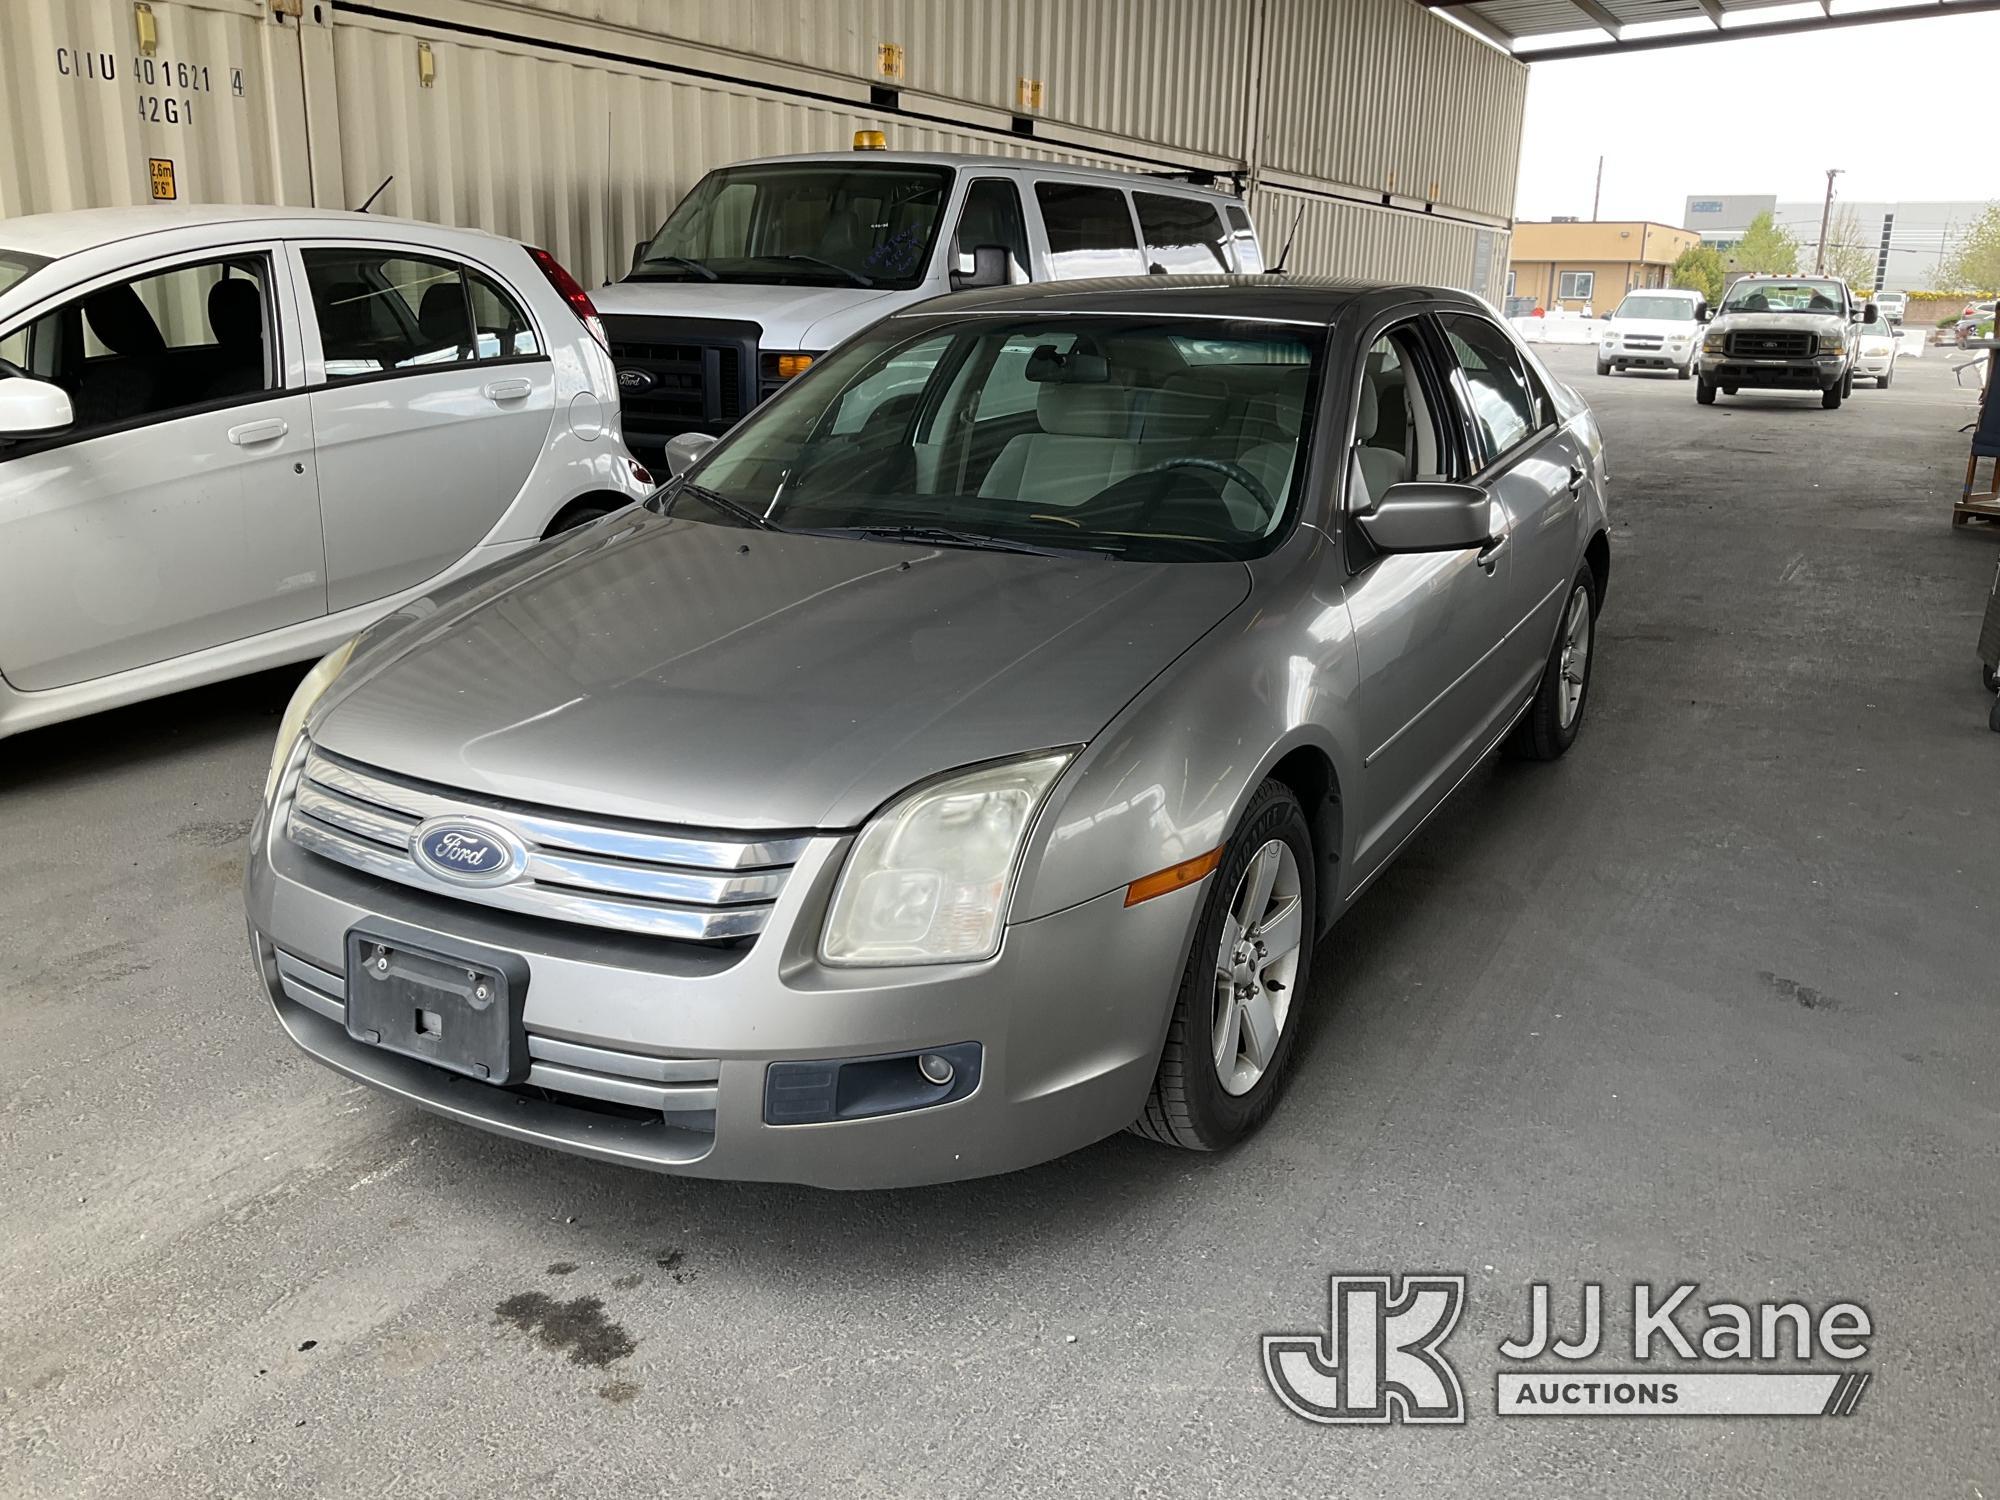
(232, 437)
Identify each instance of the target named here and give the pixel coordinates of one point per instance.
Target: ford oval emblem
(468, 851)
(634, 380)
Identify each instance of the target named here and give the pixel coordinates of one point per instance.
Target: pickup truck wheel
(1830, 397)
(1550, 725)
(1236, 1015)
(1704, 392)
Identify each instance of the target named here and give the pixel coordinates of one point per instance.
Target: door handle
(507, 390)
(1489, 555)
(1577, 474)
(267, 431)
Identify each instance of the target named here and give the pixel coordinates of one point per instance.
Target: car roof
(58, 234)
(1306, 299)
(972, 161)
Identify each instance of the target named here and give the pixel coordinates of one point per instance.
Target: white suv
(231, 437)
(767, 264)
(1654, 330)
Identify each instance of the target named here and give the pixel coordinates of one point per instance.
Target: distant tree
(1847, 254)
(1700, 269)
(1975, 263)
(1766, 248)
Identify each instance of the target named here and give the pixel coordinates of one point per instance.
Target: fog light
(937, 1070)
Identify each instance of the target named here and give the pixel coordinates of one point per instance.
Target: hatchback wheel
(1235, 1017)
(1551, 723)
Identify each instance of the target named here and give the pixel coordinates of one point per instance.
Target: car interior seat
(236, 318)
(441, 317)
(124, 383)
(1086, 444)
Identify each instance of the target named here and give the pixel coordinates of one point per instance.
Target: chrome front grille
(1772, 343)
(695, 885)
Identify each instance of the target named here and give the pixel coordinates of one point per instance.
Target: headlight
(1711, 343)
(1833, 343)
(293, 724)
(929, 878)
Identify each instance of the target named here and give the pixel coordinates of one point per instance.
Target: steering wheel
(13, 371)
(1234, 472)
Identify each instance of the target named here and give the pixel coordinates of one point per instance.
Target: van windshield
(803, 224)
(1110, 436)
(1661, 309)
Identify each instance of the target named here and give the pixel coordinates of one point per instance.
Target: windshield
(1664, 309)
(1110, 436)
(1783, 296)
(16, 265)
(802, 224)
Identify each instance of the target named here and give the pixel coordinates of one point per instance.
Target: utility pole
(1597, 193)
(1825, 217)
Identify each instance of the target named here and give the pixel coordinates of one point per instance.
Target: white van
(766, 264)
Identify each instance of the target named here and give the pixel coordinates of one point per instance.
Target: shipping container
(106, 103)
(1340, 237)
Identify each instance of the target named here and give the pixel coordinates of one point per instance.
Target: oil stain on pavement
(577, 1328)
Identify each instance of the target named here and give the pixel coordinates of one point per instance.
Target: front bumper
(653, 1054)
(1647, 356)
(1816, 373)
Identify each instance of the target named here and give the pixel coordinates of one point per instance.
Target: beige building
(1578, 265)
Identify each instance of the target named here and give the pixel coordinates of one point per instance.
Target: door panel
(429, 411)
(180, 509)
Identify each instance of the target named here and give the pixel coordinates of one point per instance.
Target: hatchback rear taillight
(567, 289)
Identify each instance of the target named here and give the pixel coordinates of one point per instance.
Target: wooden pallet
(1983, 505)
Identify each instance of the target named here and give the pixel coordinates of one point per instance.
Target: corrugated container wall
(578, 123)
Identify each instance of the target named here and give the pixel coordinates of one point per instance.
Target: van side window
(1090, 231)
(1243, 239)
(156, 345)
(992, 216)
(1183, 235)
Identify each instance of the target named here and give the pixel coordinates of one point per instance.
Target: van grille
(691, 884)
(682, 374)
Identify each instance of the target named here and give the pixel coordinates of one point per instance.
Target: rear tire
(1553, 719)
(1190, 1106)
(1704, 392)
(582, 511)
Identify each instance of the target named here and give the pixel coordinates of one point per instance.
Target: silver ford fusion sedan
(957, 762)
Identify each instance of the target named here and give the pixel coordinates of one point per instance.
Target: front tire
(1882, 380)
(1704, 391)
(1554, 718)
(1683, 372)
(1830, 397)
(1603, 366)
(1236, 1014)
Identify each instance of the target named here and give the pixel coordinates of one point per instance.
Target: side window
(1576, 286)
(383, 310)
(156, 345)
(500, 329)
(1249, 254)
(1397, 435)
(992, 216)
(1505, 402)
(1183, 235)
(1090, 231)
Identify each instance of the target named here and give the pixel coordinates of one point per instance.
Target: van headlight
(293, 724)
(928, 880)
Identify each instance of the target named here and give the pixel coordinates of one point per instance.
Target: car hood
(1807, 322)
(688, 673)
(1658, 327)
(789, 315)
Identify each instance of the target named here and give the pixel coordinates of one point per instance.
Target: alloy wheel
(1575, 665)
(1257, 967)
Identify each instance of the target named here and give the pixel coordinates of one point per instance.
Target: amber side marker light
(1172, 878)
(793, 365)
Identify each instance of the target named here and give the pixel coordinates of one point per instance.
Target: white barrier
(1559, 329)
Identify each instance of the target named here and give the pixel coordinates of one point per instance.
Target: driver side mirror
(639, 253)
(1701, 312)
(1429, 516)
(685, 451)
(1869, 313)
(32, 408)
(987, 265)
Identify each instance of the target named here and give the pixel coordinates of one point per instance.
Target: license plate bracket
(454, 1005)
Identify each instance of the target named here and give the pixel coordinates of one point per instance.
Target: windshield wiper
(704, 272)
(727, 506)
(832, 265)
(945, 536)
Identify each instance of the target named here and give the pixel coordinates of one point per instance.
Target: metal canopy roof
(1551, 30)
